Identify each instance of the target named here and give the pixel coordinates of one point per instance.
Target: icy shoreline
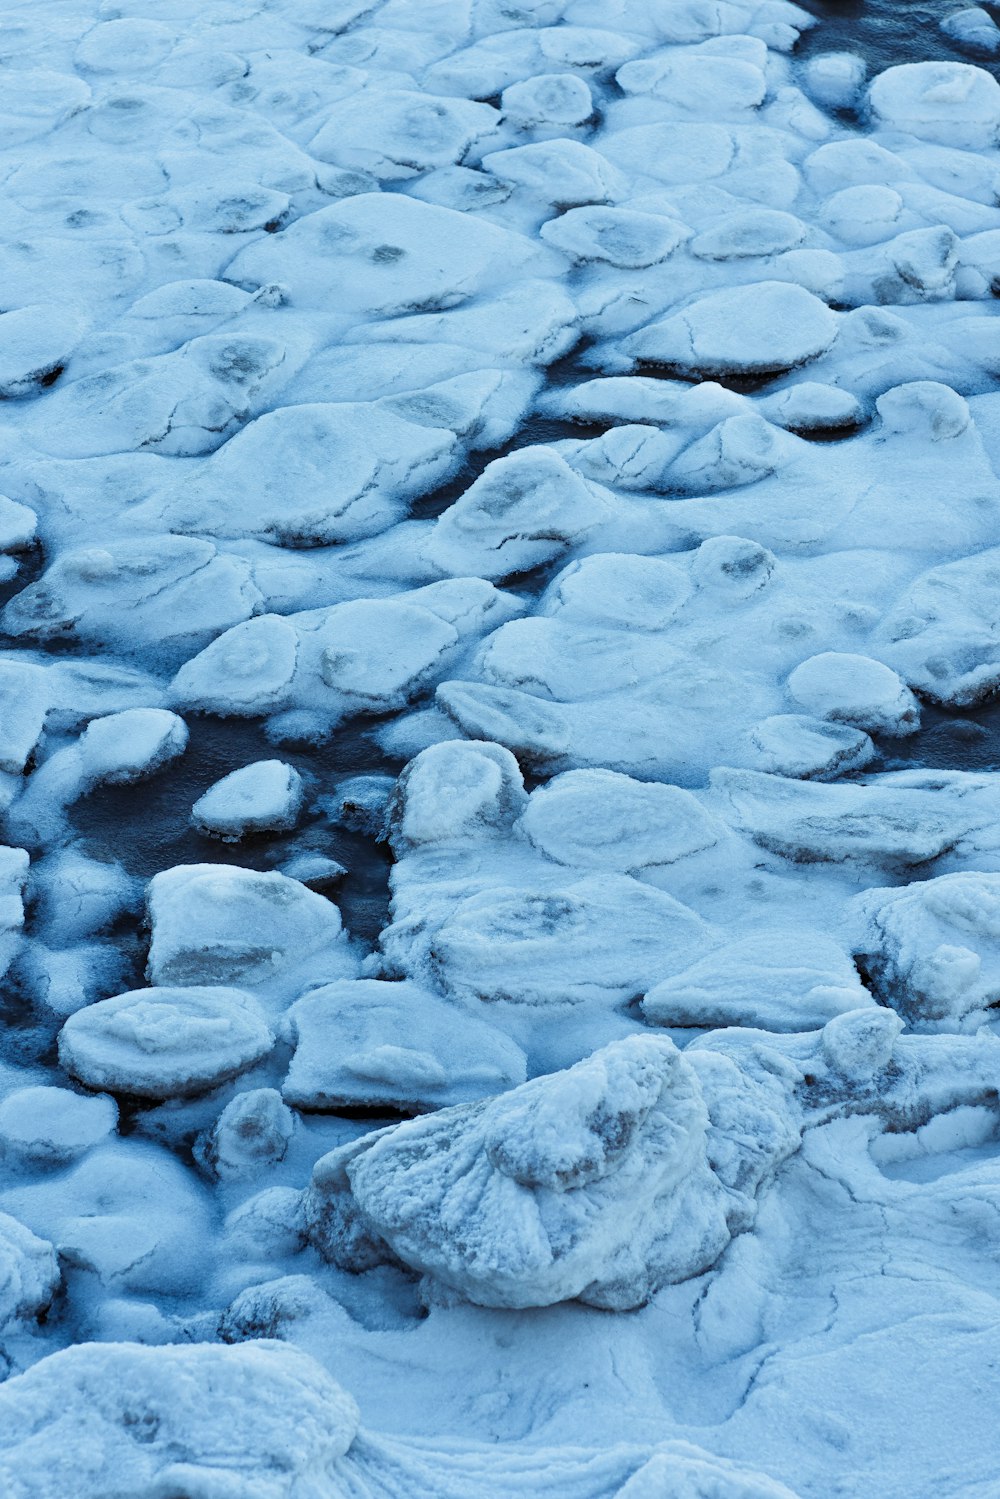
(500, 884)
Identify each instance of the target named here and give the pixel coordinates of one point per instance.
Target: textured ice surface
(499, 786)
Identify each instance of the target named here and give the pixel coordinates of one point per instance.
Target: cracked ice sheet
(562, 444)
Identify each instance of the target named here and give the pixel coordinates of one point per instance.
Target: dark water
(948, 741)
(146, 825)
(888, 32)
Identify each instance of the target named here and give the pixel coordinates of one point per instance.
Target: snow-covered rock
(117, 749)
(129, 1214)
(171, 594)
(399, 133)
(940, 634)
(369, 655)
(793, 744)
(930, 948)
(855, 690)
(252, 1132)
(974, 28)
(615, 236)
(275, 479)
(45, 1126)
(207, 1419)
(951, 103)
(894, 821)
(599, 819)
(386, 255)
(792, 980)
(164, 1042)
(35, 344)
(524, 510)
(760, 329)
(265, 797)
(367, 1043)
(220, 924)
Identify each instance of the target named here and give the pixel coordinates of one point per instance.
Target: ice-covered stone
(310, 475)
(809, 407)
(559, 100)
(974, 28)
(866, 213)
(265, 797)
(182, 403)
(164, 1042)
(751, 233)
(524, 510)
(129, 1212)
(952, 103)
(18, 525)
(38, 100)
(46, 1126)
(793, 744)
(24, 702)
(35, 344)
(778, 980)
(169, 595)
(399, 133)
(252, 1132)
(369, 655)
(740, 450)
(924, 409)
(599, 939)
(599, 819)
(834, 79)
(116, 749)
(456, 791)
(696, 82)
(615, 236)
(219, 924)
(563, 173)
(761, 329)
(940, 634)
(930, 948)
(29, 1273)
(591, 1183)
(893, 821)
(370, 1044)
(387, 254)
(199, 1419)
(124, 45)
(856, 690)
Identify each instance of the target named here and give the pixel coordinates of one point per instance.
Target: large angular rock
(592, 1183)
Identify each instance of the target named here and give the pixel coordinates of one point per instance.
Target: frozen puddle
(499, 754)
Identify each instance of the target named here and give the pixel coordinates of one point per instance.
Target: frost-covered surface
(500, 869)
